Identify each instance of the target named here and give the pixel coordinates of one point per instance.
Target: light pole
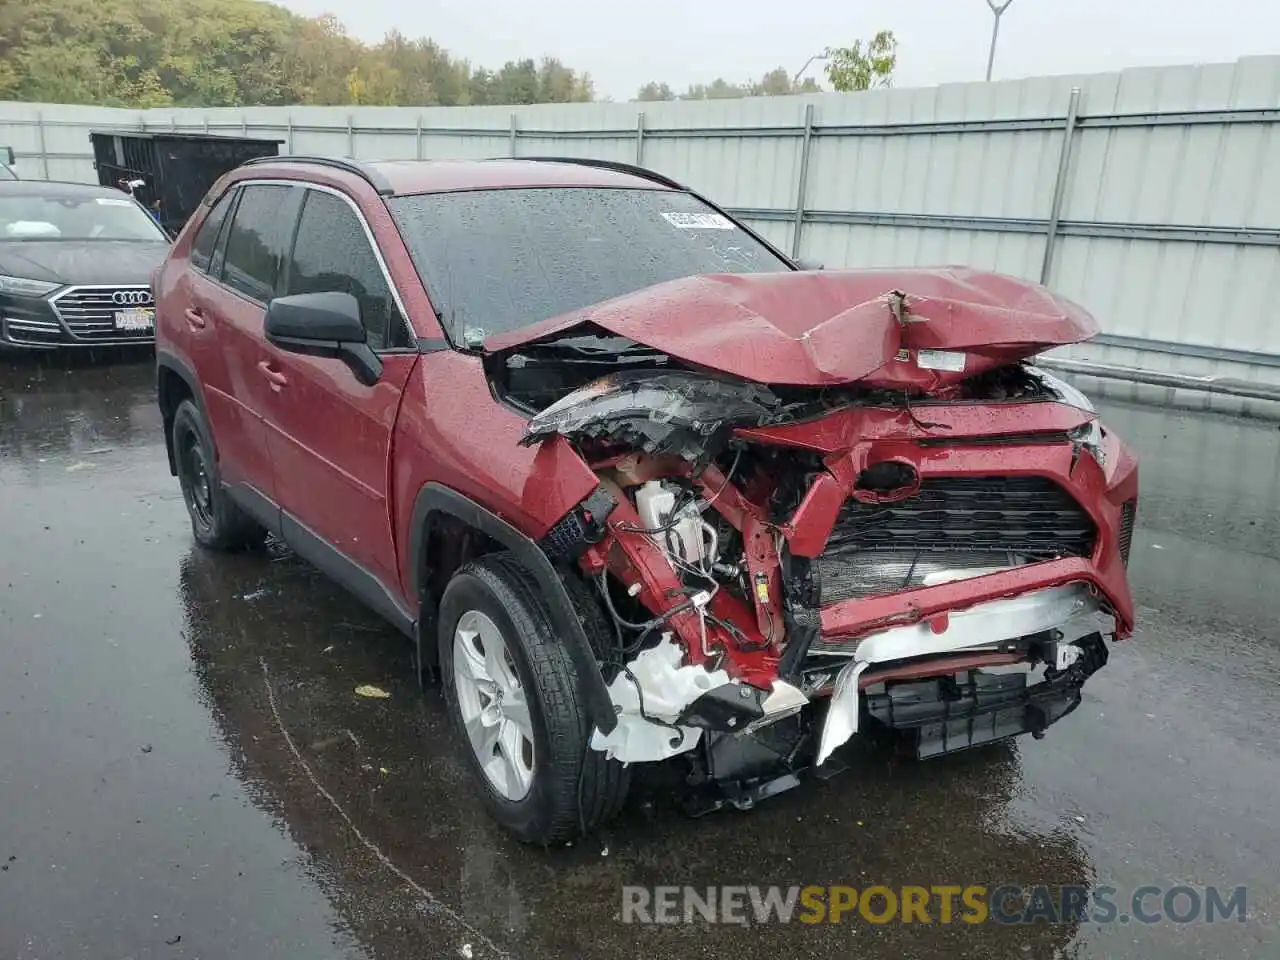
(995, 32)
(816, 56)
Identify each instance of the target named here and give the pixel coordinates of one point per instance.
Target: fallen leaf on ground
(369, 690)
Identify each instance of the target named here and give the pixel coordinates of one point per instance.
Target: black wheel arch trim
(434, 498)
(171, 363)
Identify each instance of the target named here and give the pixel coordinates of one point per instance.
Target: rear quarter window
(207, 237)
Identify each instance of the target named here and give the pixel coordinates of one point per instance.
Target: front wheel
(216, 521)
(514, 696)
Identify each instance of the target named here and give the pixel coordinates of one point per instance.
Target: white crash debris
(667, 688)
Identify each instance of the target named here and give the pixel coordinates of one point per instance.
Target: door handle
(195, 319)
(274, 377)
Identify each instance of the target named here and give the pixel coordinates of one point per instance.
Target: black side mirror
(807, 263)
(323, 325)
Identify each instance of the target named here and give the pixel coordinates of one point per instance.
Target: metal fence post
(418, 134)
(206, 124)
(1060, 185)
(288, 133)
(173, 122)
(351, 138)
(44, 148)
(806, 147)
(514, 134)
(244, 125)
(640, 139)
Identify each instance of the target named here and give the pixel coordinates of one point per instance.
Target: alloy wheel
(494, 707)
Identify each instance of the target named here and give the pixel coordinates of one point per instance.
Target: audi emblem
(131, 298)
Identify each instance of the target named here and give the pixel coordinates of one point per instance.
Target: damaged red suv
(635, 484)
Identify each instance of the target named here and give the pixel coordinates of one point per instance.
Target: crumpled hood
(834, 327)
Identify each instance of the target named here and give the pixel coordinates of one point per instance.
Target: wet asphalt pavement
(186, 772)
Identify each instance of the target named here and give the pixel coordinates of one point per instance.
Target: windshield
(497, 260)
(76, 218)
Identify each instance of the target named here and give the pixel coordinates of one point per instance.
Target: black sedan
(75, 266)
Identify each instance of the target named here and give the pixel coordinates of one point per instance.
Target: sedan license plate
(136, 318)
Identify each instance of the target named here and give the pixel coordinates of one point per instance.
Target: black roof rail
(362, 170)
(616, 165)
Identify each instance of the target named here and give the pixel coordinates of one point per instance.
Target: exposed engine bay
(935, 554)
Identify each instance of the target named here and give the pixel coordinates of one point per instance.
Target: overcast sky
(624, 44)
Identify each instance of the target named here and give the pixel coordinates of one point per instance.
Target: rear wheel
(513, 693)
(216, 521)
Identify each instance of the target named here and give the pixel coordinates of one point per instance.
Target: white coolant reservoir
(655, 502)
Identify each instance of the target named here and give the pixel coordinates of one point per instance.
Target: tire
(569, 789)
(216, 521)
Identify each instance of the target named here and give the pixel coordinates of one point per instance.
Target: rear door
(208, 334)
(329, 435)
(243, 274)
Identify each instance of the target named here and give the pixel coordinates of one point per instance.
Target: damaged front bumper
(996, 670)
(947, 674)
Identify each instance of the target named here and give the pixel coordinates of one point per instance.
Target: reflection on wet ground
(185, 770)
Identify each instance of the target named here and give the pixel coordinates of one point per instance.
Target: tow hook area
(744, 768)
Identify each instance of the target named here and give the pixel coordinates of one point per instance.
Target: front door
(329, 435)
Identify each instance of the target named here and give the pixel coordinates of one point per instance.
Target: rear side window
(332, 253)
(207, 239)
(256, 242)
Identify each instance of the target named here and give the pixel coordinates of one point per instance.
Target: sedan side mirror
(323, 325)
(807, 263)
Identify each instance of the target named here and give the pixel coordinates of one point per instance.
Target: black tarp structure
(177, 168)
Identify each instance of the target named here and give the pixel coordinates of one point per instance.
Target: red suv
(637, 485)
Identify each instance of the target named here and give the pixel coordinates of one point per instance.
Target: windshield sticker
(112, 202)
(698, 221)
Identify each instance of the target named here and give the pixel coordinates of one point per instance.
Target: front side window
(257, 241)
(332, 253)
(53, 217)
(496, 260)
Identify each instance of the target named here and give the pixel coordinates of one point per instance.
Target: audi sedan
(75, 266)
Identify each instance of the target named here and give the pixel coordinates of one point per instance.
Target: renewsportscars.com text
(939, 904)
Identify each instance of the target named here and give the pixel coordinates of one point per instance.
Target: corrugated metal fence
(1150, 196)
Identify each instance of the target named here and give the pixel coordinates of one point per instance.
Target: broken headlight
(1088, 435)
(687, 414)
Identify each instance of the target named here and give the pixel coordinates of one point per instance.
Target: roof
(56, 188)
(403, 177)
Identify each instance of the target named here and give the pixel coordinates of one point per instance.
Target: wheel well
(172, 389)
(448, 544)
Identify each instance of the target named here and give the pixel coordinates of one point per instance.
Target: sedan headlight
(22, 287)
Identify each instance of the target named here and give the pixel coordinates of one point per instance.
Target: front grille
(1128, 514)
(90, 312)
(1029, 518)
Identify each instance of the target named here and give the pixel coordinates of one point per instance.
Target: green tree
(652, 92)
(859, 68)
(217, 53)
(776, 83)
